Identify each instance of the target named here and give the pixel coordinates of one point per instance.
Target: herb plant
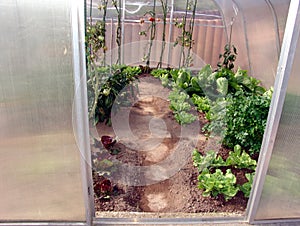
(246, 118)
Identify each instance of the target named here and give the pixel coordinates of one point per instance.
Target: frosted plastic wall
(257, 33)
(40, 163)
(281, 192)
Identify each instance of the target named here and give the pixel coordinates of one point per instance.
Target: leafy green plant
(111, 80)
(246, 117)
(202, 103)
(217, 183)
(246, 187)
(164, 76)
(228, 57)
(179, 104)
(181, 78)
(240, 159)
(216, 115)
(210, 160)
(218, 84)
(104, 167)
(239, 119)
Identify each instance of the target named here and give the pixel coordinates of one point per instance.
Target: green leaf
(246, 187)
(202, 103)
(217, 183)
(208, 161)
(184, 117)
(222, 86)
(183, 79)
(204, 73)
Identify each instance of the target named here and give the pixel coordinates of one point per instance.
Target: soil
(157, 143)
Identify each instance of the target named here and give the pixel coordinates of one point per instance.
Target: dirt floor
(155, 172)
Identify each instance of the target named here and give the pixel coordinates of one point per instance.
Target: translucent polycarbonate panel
(281, 191)
(256, 32)
(40, 177)
(280, 8)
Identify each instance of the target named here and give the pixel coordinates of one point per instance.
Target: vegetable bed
(226, 108)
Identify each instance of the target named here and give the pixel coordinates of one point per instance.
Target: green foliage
(202, 103)
(222, 85)
(246, 117)
(210, 160)
(248, 84)
(183, 78)
(179, 104)
(180, 101)
(95, 40)
(240, 159)
(224, 81)
(246, 187)
(216, 115)
(184, 117)
(163, 75)
(217, 183)
(228, 57)
(111, 81)
(104, 167)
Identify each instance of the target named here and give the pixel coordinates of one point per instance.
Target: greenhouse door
(276, 195)
(42, 171)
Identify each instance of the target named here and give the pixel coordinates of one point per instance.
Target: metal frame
(169, 221)
(81, 106)
(284, 69)
(286, 61)
(43, 224)
(80, 118)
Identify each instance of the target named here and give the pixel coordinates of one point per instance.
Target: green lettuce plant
(240, 159)
(208, 161)
(217, 183)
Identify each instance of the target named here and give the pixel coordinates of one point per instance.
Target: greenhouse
(149, 112)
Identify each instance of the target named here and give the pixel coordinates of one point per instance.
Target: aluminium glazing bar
(80, 112)
(169, 221)
(43, 224)
(284, 68)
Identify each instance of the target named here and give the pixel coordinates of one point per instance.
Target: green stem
(95, 85)
(119, 30)
(191, 30)
(183, 33)
(165, 12)
(103, 32)
(152, 34)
